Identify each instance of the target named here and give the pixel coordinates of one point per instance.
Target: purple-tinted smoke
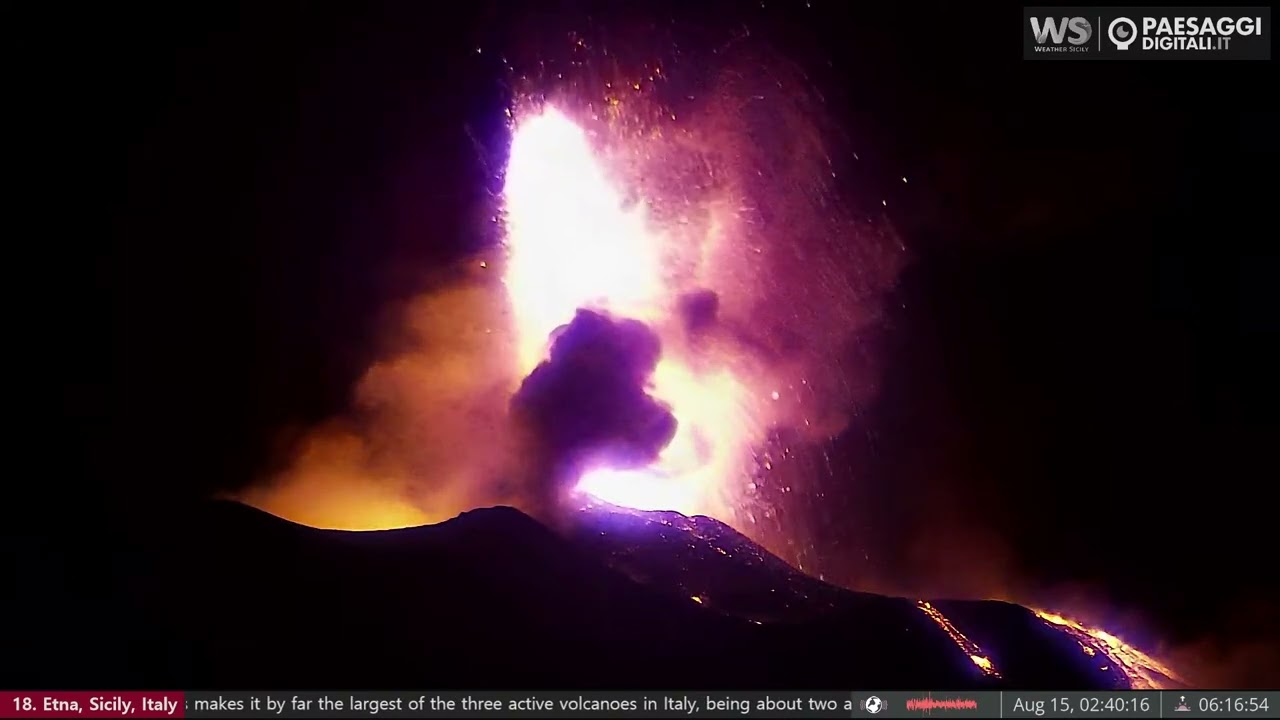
(588, 402)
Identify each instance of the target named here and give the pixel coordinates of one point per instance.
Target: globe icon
(873, 705)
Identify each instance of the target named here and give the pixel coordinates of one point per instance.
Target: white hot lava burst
(574, 242)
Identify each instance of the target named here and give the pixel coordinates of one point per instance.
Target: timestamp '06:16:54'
(1227, 703)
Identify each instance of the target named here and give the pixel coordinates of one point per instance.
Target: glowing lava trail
(1143, 671)
(968, 646)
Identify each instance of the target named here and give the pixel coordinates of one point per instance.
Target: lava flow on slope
(705, 562)
(1143, 671)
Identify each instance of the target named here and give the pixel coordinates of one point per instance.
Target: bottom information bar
(640, 704)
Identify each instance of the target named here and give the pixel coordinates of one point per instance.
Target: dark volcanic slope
(494, 599)
(715, 566)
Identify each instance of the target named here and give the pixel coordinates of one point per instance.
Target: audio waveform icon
(929, 704)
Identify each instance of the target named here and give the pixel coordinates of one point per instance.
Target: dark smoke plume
(699, 310)
(589, 401)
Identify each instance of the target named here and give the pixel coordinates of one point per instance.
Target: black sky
(1080, 368)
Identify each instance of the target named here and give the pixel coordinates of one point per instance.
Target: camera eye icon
(1122, 32)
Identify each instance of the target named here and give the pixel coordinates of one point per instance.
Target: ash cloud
(589, 401)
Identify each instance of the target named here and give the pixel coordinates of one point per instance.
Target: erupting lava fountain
(575, 241)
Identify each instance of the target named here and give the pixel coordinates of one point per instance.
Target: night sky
(1079, 390)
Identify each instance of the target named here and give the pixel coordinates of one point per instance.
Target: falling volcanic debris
(575, 244)
(735, 254)
(665, 328)
(699, 211)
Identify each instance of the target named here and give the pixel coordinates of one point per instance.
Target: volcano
(494, 599)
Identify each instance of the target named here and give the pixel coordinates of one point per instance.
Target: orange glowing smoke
(1143, 671)
(425, 437)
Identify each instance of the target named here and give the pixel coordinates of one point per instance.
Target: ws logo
(1056, 30)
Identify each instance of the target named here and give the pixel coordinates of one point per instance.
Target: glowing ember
(573, 243)
(968, 646)
(1143, 671)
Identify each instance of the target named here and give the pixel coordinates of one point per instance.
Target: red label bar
(92, 704)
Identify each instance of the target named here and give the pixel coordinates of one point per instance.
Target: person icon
(1182, 704)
